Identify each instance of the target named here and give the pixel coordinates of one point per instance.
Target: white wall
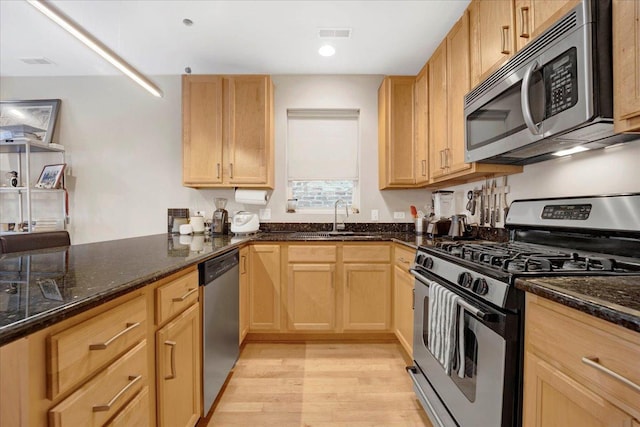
(124, 150)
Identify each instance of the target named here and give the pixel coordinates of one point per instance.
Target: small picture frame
(51, 176)
(50, 290)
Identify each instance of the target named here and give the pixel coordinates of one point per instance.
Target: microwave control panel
(561, 83)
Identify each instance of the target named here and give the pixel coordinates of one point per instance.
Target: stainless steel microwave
(553, 95)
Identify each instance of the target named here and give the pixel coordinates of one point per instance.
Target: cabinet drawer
(571, 339)
(366, 253)
(136, 413)
(80, 350)
(176, 296)
(105, 394)
(312, 253)
(403, 257)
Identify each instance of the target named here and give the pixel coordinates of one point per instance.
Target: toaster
(244, 222)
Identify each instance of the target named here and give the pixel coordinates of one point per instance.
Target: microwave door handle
(524, 97)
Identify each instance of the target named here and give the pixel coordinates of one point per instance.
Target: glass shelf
(35, 147)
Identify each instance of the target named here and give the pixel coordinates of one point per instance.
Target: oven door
(486, 395)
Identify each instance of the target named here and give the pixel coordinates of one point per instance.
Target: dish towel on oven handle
(443, 322)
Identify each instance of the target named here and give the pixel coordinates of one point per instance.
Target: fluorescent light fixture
(573, 150)
(327, 50)
(96, 45)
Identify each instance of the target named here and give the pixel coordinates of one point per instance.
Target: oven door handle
(471, 309)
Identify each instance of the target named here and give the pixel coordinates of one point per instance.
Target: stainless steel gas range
(469, 317)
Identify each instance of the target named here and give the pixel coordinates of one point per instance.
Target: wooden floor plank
(319, 385)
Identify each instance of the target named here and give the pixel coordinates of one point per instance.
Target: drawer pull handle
(505, 40)
(404, 261)
(132, 380)
(172, 344)
(594, 363)
(104, 345)
(185, 296)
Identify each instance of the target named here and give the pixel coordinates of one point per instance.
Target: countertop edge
(45, 319)
(606, 311)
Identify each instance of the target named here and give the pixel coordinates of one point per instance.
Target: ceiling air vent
(334, 33)
(36, 61)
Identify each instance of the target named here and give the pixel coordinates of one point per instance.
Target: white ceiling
(270, 37)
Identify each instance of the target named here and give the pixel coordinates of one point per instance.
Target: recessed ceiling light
(327, 50)
(573, 150)
(188, 22)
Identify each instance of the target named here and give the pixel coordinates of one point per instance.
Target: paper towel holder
(251, 196)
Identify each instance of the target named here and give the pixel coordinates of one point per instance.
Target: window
(322, 153)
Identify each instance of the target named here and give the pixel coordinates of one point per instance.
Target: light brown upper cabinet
(493, 36)
(398, 162)
(449, 81)
(532, 17)
(626, 66)
(421, 126)
(227, 131)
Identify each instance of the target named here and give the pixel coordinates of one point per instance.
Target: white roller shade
(322, 144)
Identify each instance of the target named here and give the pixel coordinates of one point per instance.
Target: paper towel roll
(252, 197)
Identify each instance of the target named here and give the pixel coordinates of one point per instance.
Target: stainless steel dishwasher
(220, 322)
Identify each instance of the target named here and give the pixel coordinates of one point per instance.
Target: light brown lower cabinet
(403, 308)
(264, 288)
(132, 361)
(243, 294)
(367, 297)
(311, 297)
(578, 370)
(178, 370)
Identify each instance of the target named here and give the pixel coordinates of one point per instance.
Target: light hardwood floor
(319, 384)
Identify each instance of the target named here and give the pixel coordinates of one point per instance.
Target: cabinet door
(244, 293)
(398, 137)
(421, 126)
(403, 308)
(458, 78)
(311, 297)
(532, 17)
(264, 288)
(249, 132)
(493, 36)
(367, 297)
(202, 130)
(626, 65)
(438, 111)
(178, 370)
(553, 398)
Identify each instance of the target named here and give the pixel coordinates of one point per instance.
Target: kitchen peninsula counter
(615, 299)
(43, 287)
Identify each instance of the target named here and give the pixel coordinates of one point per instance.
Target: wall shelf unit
(19, 203)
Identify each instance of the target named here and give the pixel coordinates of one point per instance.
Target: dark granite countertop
(615, 299)
(41, 288)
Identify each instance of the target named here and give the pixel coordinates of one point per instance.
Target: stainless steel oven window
(467, 383)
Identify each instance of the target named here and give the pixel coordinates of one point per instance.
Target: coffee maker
(442, 210)
(220, 220)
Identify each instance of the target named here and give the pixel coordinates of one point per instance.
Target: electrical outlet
(374, 215)
(398, 215)
(200, 213)
(265, 214)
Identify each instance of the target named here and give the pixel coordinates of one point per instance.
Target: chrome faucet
(335, 214)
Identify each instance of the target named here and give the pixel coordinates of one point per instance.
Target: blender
(220, 224)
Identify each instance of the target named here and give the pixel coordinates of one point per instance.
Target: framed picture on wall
(33, 120)
(51, 176)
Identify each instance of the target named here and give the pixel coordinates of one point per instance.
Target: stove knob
(427, 263)
(465, 279)
(480, 286)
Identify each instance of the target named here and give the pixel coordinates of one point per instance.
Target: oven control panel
(487, 288)
(567, 212)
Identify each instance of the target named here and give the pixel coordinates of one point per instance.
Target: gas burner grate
(519, 257)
